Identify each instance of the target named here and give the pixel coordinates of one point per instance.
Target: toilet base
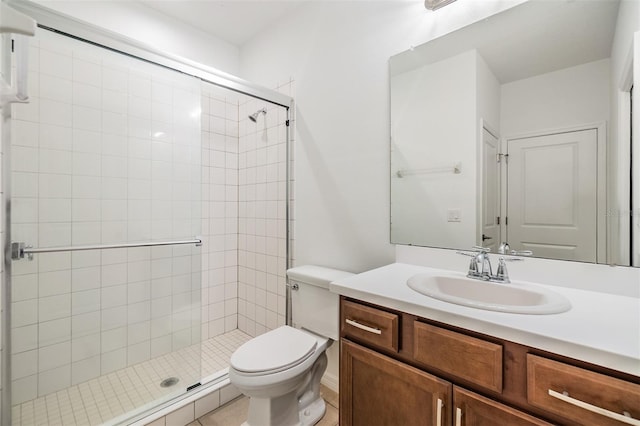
(307, 416)
(313, 413)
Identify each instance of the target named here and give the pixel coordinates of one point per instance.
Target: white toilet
(281, 370)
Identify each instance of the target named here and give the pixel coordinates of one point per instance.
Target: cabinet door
(378, 390)
(470, 409)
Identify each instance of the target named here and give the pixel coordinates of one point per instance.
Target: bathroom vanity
(410, 359)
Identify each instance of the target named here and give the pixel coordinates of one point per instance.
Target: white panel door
(490, 191)
(552, 195)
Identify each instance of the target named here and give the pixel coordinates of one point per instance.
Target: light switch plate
(454, 215)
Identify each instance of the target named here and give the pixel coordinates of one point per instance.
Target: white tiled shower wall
(108, 150)
(219, 210)
(262, 208)
(244, 213)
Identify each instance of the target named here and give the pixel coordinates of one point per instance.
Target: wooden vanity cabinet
(397, 369)
(379, 390)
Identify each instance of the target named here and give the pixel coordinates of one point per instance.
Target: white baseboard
(331, 381)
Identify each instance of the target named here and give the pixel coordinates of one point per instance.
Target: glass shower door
(106, 153)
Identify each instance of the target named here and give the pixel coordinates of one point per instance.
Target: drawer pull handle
(564, 396)
(458, 416)
(439, 413)
(363, 327)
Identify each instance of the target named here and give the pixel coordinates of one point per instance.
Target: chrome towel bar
(19, 250)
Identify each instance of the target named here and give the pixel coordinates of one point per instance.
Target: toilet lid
(274, 351)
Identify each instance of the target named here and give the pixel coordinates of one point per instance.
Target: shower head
(254, 117)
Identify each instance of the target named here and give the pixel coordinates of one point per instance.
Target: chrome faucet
(480, 266)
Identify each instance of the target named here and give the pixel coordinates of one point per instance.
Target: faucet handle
(501, 274)
(473, 267)
(473, 263)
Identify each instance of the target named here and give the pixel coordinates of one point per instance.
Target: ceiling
(234, 21)
(533, 38)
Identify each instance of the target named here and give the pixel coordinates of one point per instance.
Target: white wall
(488, 96)
(434, 125)
(135, 20)
(564, 98)
(338, 54)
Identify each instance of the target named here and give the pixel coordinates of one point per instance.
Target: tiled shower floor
(114, 394)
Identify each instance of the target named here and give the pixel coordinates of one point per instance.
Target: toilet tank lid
(316, 275)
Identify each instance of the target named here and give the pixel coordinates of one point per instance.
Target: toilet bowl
(280, 371)
(280, 385)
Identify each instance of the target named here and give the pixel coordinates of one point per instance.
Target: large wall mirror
(517, 129)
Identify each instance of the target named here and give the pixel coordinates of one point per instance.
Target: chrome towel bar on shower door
(20, 250)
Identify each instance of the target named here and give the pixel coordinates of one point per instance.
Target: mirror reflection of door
(490, 191)
(552, 195)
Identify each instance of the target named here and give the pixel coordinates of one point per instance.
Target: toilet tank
(313, 306)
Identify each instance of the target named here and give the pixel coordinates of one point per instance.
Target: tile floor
(114, 394)
(235, 412)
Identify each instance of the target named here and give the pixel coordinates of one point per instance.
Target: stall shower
(154, 207)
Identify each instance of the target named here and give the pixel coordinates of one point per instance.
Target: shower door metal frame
(65, 25)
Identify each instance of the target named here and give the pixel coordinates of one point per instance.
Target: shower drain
(169, 382)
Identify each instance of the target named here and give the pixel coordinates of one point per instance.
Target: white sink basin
(515, 297)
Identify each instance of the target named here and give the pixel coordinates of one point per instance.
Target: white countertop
(600, 328)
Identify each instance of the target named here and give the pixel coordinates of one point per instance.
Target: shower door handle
(19, 250)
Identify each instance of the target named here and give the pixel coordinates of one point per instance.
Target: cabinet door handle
(594, 409)
(458, 416)
(439, 412)
(363, 327)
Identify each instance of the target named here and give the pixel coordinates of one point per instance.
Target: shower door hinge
(287, 123)
(497, 220)
(499, 157)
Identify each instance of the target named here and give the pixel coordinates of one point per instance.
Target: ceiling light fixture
(436, 4)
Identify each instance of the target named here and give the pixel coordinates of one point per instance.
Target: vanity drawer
(370, 325)
(580, 395)
(463, 356)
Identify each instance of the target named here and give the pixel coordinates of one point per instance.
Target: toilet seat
(275, 351)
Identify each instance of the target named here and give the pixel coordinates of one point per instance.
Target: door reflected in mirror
(516, 129)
